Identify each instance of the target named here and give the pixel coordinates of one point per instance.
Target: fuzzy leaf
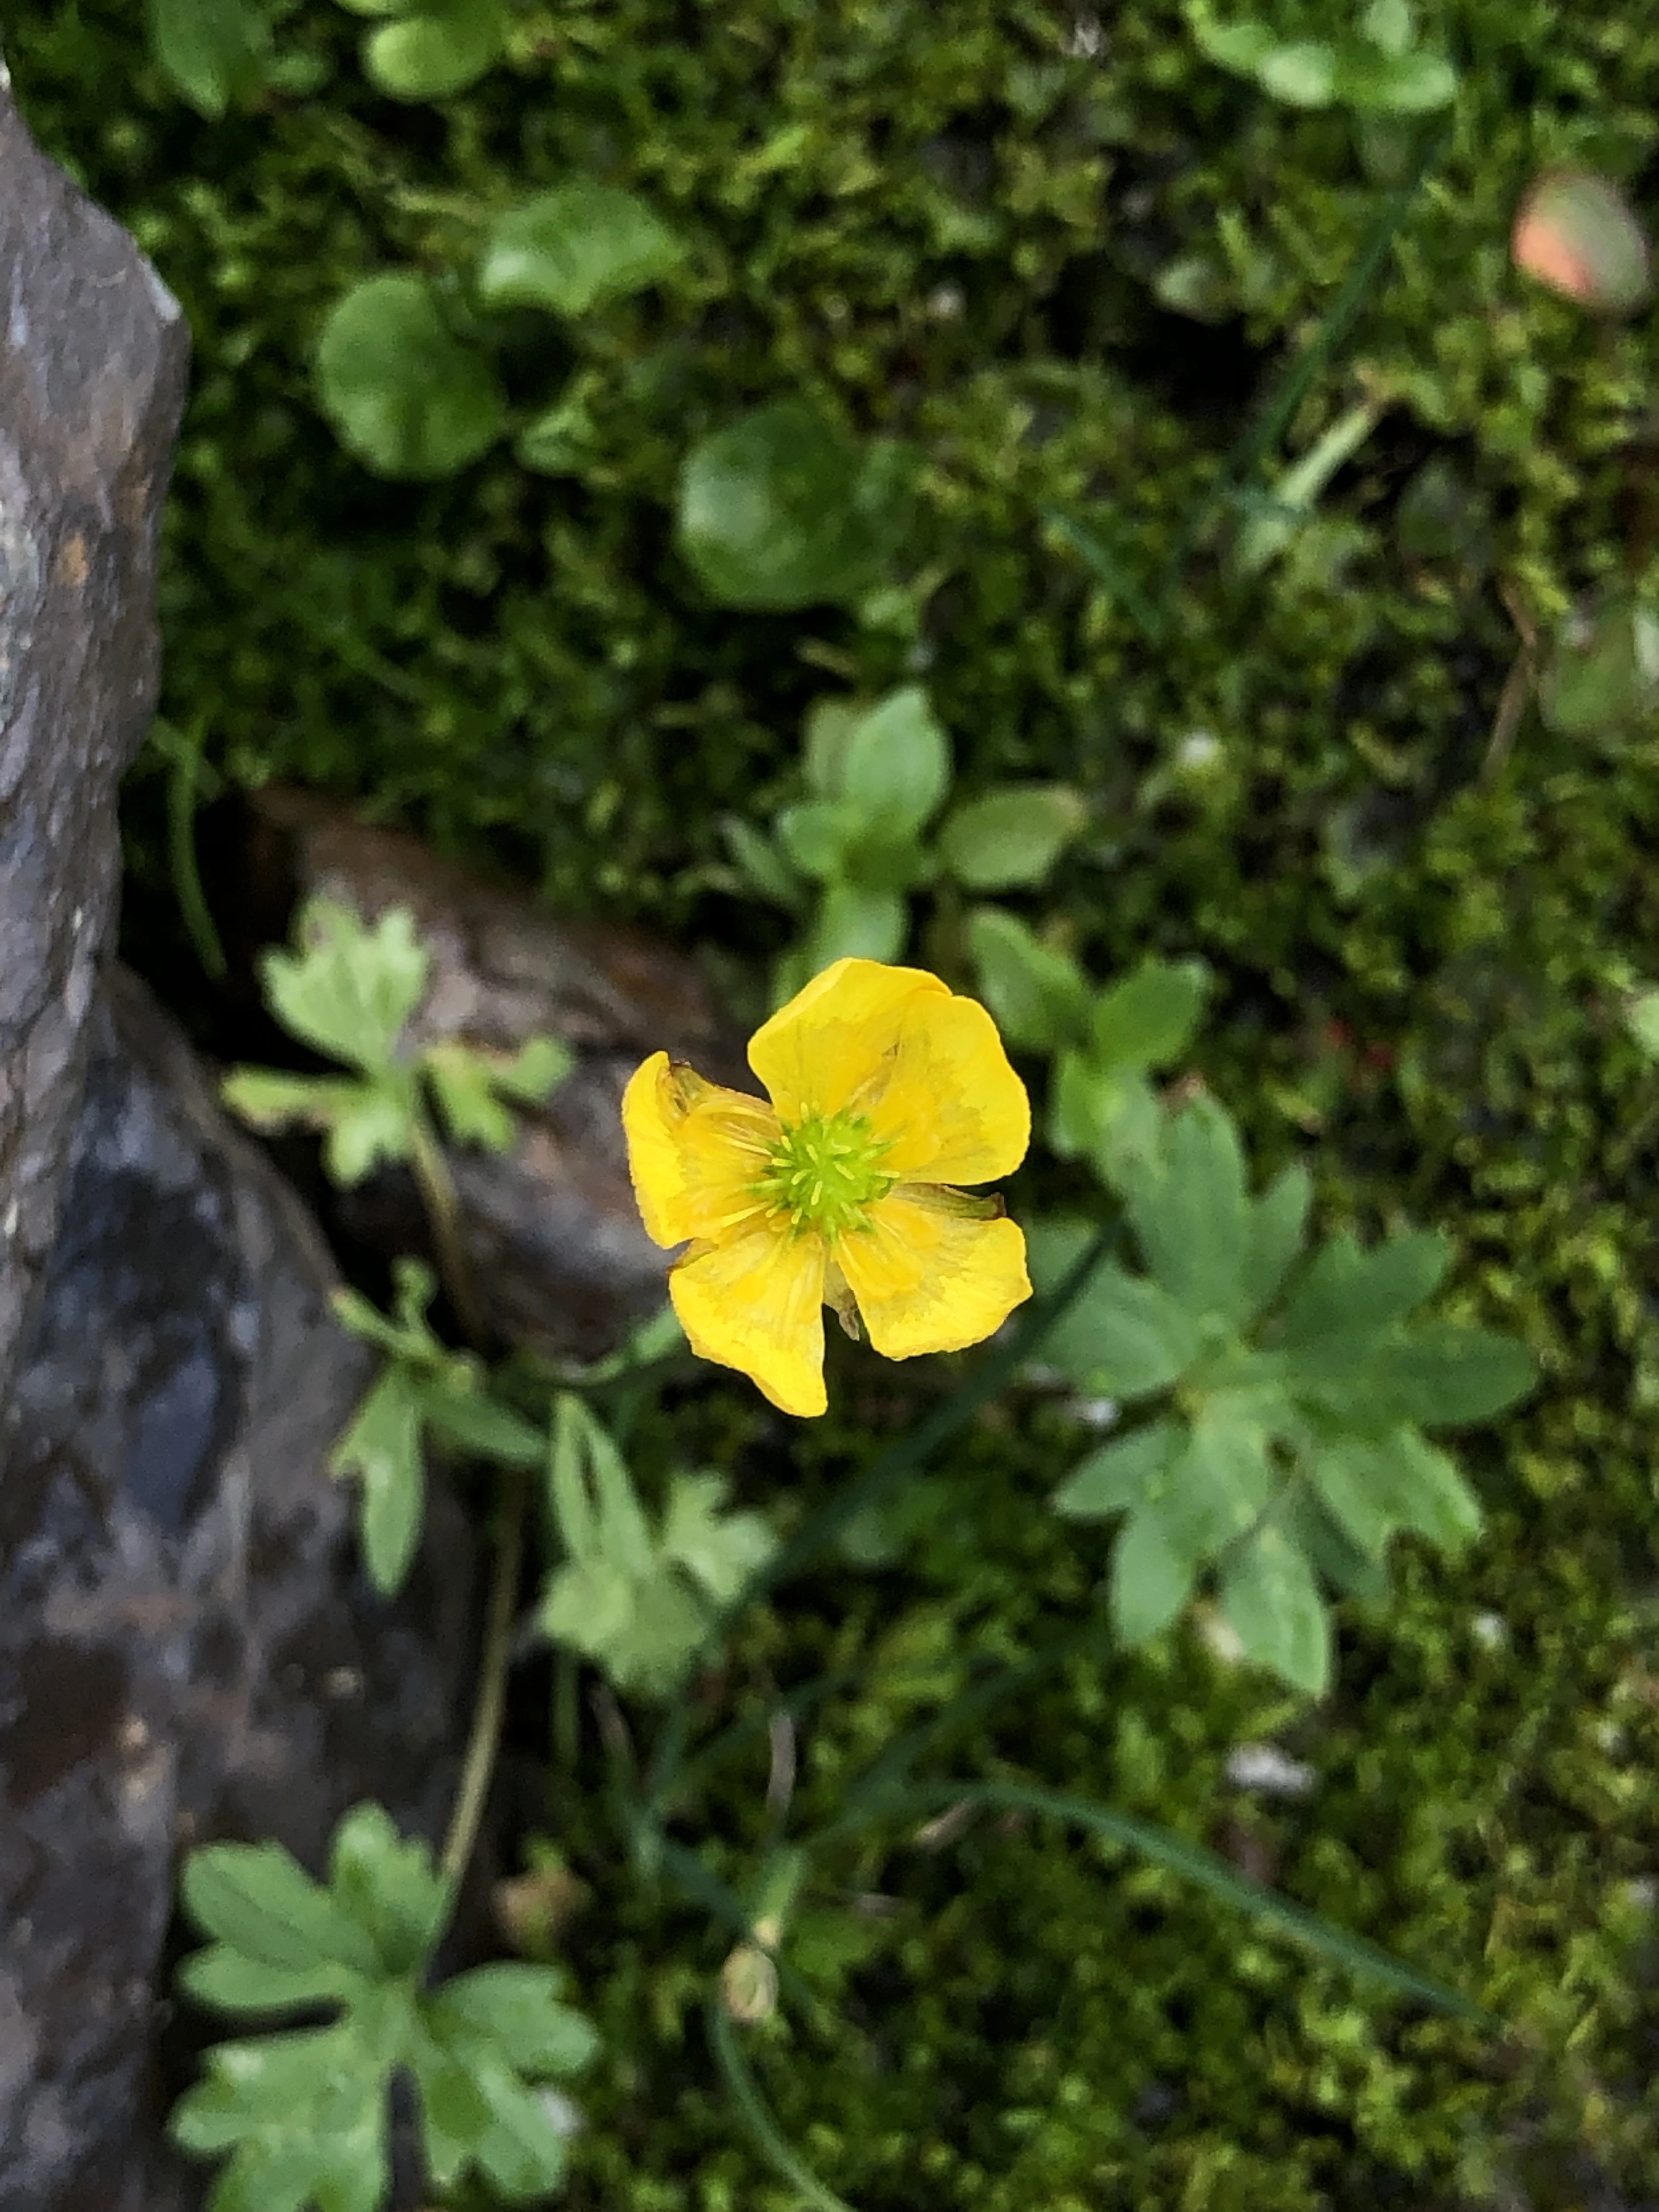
(1124, 1337)
(1278, 1230)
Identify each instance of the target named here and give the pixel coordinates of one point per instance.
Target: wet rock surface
(188, 1648)
(561, 1261)
(91, 383)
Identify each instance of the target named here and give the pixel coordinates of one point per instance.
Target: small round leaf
(773, 514)
(403, 392)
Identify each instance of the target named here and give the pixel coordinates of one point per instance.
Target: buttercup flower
(886, 1091)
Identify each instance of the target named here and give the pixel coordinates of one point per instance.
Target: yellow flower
(886, 1091)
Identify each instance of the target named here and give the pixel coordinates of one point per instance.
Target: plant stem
(884, 1472)
(1296, 380)
(437, 1187)
(479, 1766)
(769, 2140)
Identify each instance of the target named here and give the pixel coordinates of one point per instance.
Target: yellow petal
(694, 1151)
(931, 1271)
(835, 1040)
(952, 1110)
(755, 1302)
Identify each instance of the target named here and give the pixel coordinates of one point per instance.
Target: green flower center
(825, 1173)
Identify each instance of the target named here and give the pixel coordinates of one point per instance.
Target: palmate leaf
(1191, 1214)
(1348, 1292)
(470, 1083)
(424, 1387)
(1270, 1595)
(638, 1603)
(304, 2115)
(349, 989)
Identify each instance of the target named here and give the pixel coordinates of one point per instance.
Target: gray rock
(188, 1648)
(92, 365)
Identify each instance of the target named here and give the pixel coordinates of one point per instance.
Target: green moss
(949, 226)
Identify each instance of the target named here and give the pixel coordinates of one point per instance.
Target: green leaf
(387, 1884)
(1011, 838)
(1124, 1337)
(719, 1550)
(1216, 1485)
(371, 1124)
(572, 247)
(1303, 74)
(856, 924)
(895, 765)
(1372, 1487)
(349, 990)
(775, 514)
(625, 1597)
(467, 1078)
(256, 1901)
(382, 1446)
(769, 870)
(1603, 676)
(1347, 1292)
(1240, 47)
(214, 52)
(1388, 24)
(1039, 995)
(267, 1100)
(1355, 1572)
(1119, 1475)
(1269, 1595)
(1278, 1230)
(1369, 79)
(1151, 1018)
(471, 1113)
(1642, 1020)
(1150, 1581)
(469, 1420)
(305, 2115)
(535, 1071)
(439, 48)
(1191, 1214)
(1444, 1375)
(227, 1981)
(828, 725)
(819, 834)
(519, 2008)
(404, 394)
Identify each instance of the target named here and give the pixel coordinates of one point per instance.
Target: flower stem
(479, 1767)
